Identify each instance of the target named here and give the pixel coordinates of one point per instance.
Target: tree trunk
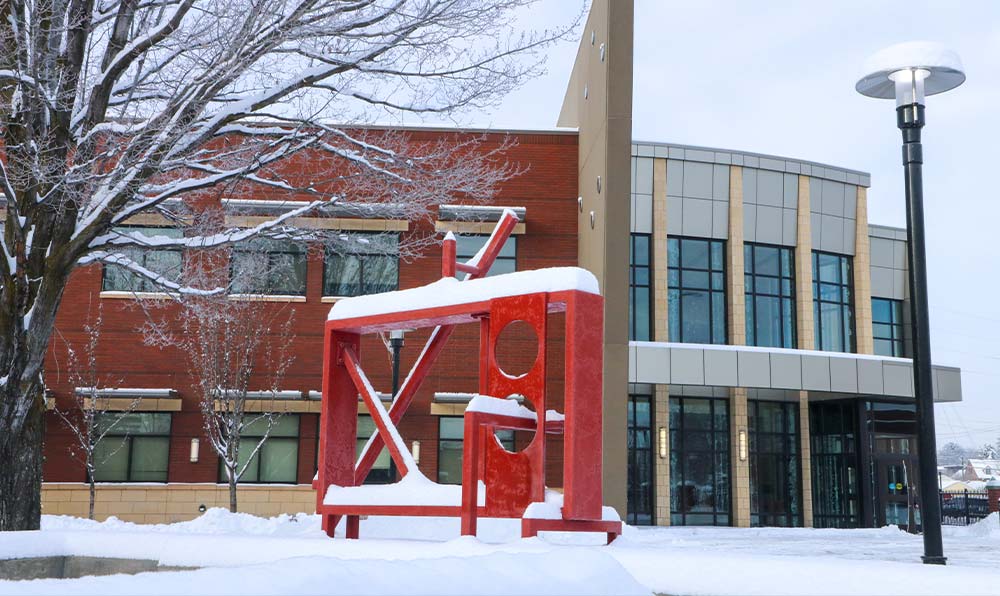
(21, 473)
(232, 491)
(90, 512)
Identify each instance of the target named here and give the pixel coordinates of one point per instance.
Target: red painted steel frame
(513, 480)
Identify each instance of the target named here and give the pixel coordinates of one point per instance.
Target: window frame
(508, 444)
(146, 286)
(255, 462)
(301, 252)
(128, 443)
(848, 328)
(676, 332)
(634, 307)
(750, 285)
(461, 257)
(790, 452)
(679, 449)
(361, 257)
(895, 325)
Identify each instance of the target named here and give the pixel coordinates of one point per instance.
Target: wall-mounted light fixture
(195, 450)
(662, 431)
(743, 444)
(416, 452)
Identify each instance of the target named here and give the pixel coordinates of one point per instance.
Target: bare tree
(114, 108)
(91, 418)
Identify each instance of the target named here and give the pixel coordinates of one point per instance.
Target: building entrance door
(897, 498)
(640, 461)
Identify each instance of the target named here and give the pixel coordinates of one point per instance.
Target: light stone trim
(266, 298)
(284, 406)
(174, 502)
(863, 331)
(740, 470)
(803, 270)
(805, 459)
(445, 409)
(736, 294)
(146, 404)
(123, 295)
(659, 297)
(475, 227)
(661, 467)
(324, 223)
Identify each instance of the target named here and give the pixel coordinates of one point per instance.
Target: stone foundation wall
(159, 504)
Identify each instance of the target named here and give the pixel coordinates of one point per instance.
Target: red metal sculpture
(495, 482)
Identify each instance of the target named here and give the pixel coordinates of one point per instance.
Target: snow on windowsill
(486, 404)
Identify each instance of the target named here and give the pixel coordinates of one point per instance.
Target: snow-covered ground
(242, 554)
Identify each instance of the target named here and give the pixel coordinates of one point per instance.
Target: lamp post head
(910, 71)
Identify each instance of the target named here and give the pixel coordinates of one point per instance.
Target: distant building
(981, 469)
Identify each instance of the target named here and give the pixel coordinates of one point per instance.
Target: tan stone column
(805, 455)
(740, 480)
(806, 335)
(661, 394)
(862, 277)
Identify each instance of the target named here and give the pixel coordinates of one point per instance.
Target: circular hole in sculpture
(516, 349)
(514, 441)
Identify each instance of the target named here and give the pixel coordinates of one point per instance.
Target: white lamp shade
(939, 68)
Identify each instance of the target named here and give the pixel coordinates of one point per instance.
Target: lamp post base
(934, 560)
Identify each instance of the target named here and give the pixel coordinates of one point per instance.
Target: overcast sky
(778, 77)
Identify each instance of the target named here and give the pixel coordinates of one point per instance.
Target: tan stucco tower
(599, 102)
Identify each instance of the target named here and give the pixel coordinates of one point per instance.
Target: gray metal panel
(815, 373)
(833, 198)
(697, 180)
(786, 371)
(815, 195)
(949, 384)
(770, 188)
(789, 227)
(832, 236)
(687, 366)
(844, 375)
(792, 166)
(675, 177)
(751, 161)
(791, 191)
(720, 182)
(772, 164)
(769, 224)
(849, 244)
(675, 216)
(881, 252)
(805, 169)
(720, 220)
(643, 175)
(897, 379)
(720, 368)
(749, 223)
(645, 151)
(643, 214)
(754, 369)
(899, 284)
(870, 376)
(815, 228)
(737, 159)
(653, 364)
(749, 186)
(721, 157)
(899, 254)
(697, 217)
(882, 282)
(660, 151)
(676, 153)
(850, 201)
(699, 155)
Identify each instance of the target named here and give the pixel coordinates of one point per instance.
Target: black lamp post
(396, 337)
(908, 72)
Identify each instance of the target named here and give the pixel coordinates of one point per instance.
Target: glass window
(833, 310)
(467, 246)
(696, 290)
(166, 262)
(641, 501)
(770, 295)
(887, 326)
(371, 269)
(640, 288)
(774, 464)
(382, 472)
(277, 461)
(270, 267)
(136, 448)
(450, 431)
(699, 462)
(835, 475)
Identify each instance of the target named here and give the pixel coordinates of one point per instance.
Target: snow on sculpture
(495, 482)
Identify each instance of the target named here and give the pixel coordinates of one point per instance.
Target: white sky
(778, 77)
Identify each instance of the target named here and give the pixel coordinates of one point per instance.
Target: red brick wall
(547, 189)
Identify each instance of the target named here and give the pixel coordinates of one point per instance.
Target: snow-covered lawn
(242, 554)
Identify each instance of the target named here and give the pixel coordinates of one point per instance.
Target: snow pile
(452, 292)
(214, 521)
(552, 509)
(413, 489)
(988, 527)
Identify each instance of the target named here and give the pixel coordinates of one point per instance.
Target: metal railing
(963, 508)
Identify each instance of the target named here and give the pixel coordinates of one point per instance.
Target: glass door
(640, 461)
(896, 482)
